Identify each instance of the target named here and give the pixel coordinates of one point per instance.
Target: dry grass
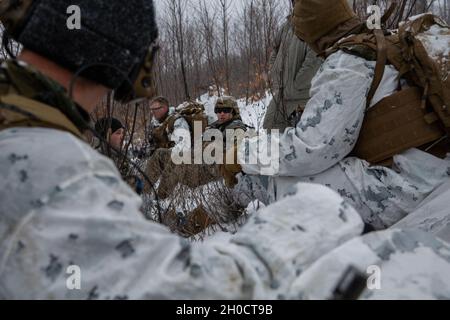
(194, 200)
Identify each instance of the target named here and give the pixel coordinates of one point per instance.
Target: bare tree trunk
(225, 7)
(249, 48)
(177, 9)
(207, 20)
(180, 39)
(226, 47)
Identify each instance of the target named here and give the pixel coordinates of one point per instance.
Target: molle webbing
(395, 124)
(18, 111)
(413, 117)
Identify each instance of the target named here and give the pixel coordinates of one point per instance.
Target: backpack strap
(170, 122)
(19, 111)
(380, 65)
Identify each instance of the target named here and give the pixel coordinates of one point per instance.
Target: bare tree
(225, 17)
(207, 27)
(228, 43)
(177, 17)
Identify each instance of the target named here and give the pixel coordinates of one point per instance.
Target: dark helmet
(116, 44)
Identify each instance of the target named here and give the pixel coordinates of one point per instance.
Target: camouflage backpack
(193, 113)
(416, 116)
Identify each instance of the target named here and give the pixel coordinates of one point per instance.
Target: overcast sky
(235, 4)
(160, 3)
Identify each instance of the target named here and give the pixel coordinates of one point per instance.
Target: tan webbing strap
(380, 65)
(42, 112)
(170, 124)
(393, 125)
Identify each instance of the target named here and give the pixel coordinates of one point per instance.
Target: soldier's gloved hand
(230, 170)
(139, 186)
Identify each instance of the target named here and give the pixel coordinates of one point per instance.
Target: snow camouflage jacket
(73, 209)
(413, 258)
(404, 264)
(317, 149)
(63, 204)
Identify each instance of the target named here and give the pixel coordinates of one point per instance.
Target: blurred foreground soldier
(398, 264)
(62, 204)
(379, 141)
(405, 262)
(293, 65)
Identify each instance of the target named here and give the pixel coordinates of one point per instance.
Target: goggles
(223, 110)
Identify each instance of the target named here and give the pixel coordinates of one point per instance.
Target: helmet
(228, 102)
(115, 46)
(314, 19)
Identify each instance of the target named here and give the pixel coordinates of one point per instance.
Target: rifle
(351, 285)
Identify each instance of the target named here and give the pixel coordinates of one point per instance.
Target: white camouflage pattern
(317, 149)
(62, 204)
(411, 264)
